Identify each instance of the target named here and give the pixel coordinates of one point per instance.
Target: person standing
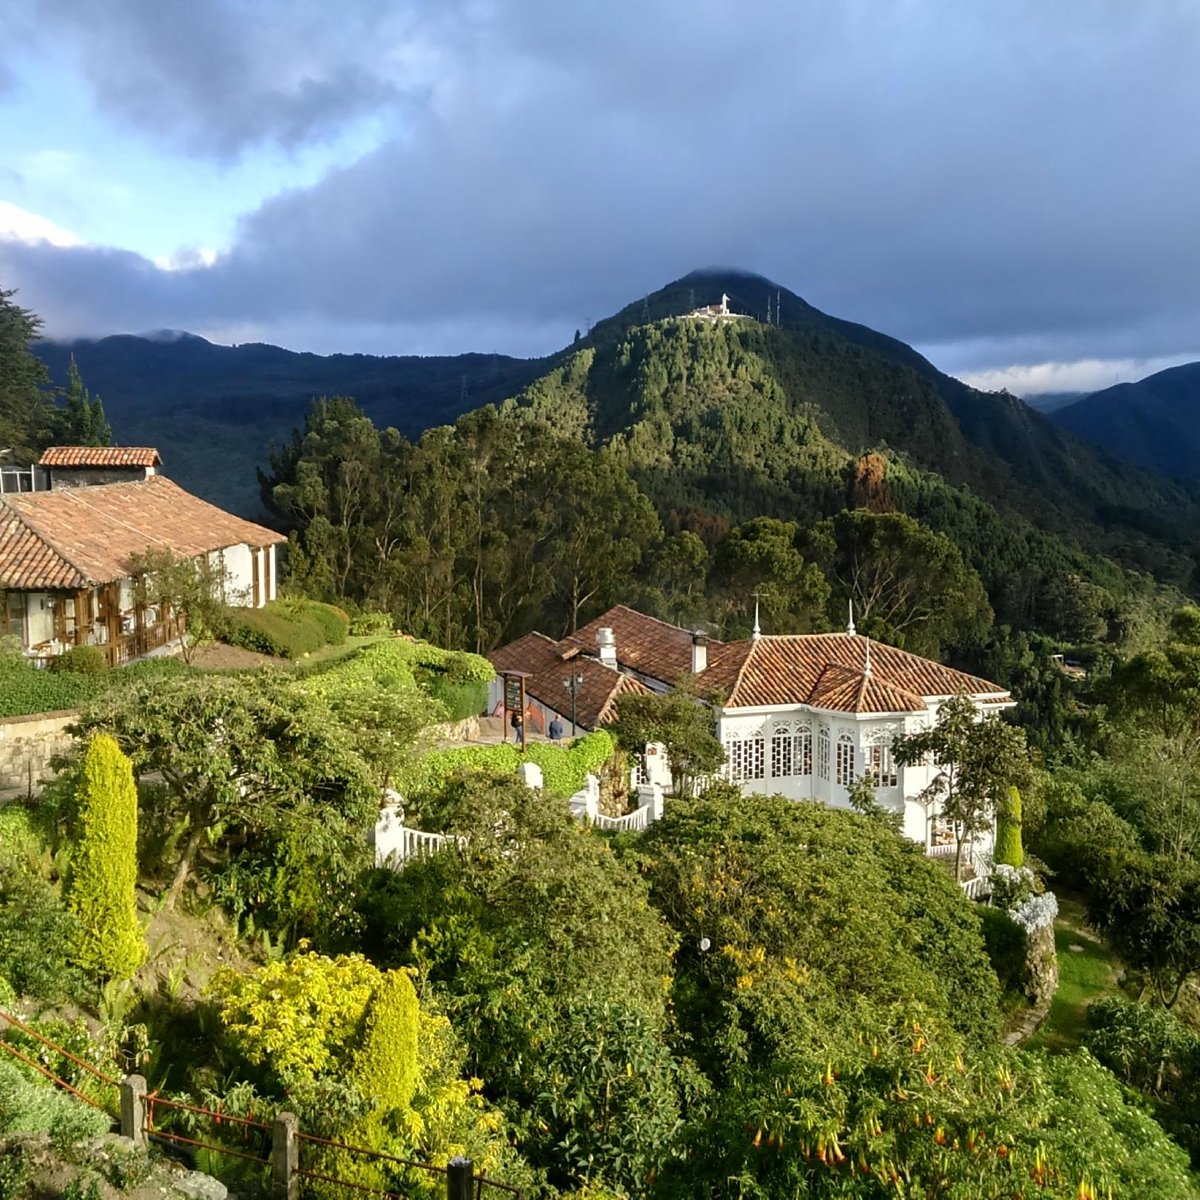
(556, 729)
(515, 721)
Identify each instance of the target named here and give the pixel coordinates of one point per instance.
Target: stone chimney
(699, 652)
(608, 646)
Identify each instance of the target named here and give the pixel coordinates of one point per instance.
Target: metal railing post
(460, 1174)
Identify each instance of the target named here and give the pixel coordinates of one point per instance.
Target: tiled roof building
(803, 714)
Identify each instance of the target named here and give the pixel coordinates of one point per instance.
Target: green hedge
(462, 699)
(563, 767)
(333, 621)
(26, 689)
(274, 630)
(82, 660)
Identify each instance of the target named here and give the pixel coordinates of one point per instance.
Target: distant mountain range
(807, 391)
(213, 411)
(1154, 422)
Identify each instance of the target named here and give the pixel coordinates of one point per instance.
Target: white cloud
(17, 225)
(1084, 375)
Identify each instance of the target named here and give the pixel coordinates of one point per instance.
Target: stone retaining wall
(27, 745)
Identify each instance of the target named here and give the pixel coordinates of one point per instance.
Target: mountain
(744, 416)
(1048, 402)
(1152, 422)
(214, 411)
(737, 419)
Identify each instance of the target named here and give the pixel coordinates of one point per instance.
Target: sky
(1013, 186)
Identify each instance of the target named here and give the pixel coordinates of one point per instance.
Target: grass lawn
(1083, 976)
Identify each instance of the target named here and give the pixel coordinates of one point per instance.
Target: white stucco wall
(239, 573)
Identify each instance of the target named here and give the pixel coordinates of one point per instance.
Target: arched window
(823, 752)
(802, 750)
(782, 752)
(745, 756)
(845, 760)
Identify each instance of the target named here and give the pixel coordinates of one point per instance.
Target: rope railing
(282, 1138)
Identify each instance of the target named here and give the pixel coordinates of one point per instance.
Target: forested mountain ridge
(1151, 422)
(213, 411)
(868, 389)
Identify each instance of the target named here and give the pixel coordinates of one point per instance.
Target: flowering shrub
(1038, 912)
(1011, 886)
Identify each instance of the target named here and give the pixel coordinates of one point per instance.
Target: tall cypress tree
(103, 875)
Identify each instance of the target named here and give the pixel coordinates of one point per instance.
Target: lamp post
(573, 685)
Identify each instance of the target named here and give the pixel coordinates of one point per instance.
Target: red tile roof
(100, 456)
(786, 669)
(549, 662)
(79, 537)
(826, 670)
(645, 644)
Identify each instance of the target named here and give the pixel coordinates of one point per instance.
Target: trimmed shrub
(25, 689)
(386, 1066)
(333, 621)
(272, 630)
(101, 886)
(1008, 831)
(81, 660)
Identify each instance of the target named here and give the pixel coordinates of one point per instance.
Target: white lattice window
(845, 760)
(881, 765)
(745, 757)
(823, 752)
(782, 752)
(802, 751)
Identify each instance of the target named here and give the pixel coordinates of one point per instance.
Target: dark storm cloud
(999, 180)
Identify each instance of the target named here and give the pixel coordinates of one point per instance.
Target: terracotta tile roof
(549, 662)
(83, 536)
(785, 669)
(826, 670)
(843, 689)
(100, 456)
(644, 644)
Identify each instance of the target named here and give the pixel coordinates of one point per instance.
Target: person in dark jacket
(556, 729)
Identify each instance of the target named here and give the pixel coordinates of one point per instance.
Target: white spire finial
(850, 627)
(757, 631)
(867, 663)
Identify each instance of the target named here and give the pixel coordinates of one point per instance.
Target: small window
(881, 766)
(802, 751)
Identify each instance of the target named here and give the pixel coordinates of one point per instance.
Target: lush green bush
(563, 767)
(371, 624)
(36, 1106)
(103, 877)
(462, 699)
(26, 689)
(334, 621)
(37, 936)
(82, 660)
(1005, 943)
(274, 630)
